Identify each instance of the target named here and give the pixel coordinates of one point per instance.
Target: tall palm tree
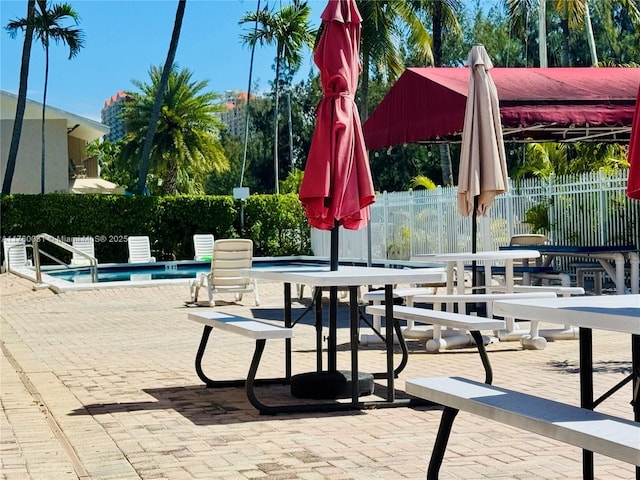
(186, 146)
(159, 95)
(22, 95)
(383, 26)
(290, 30)
(49, 25)
(444, 16)
(572, 14)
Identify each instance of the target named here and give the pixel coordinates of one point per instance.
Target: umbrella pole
(475, 278)
(474, 239)
(332, 346)
(334, 247)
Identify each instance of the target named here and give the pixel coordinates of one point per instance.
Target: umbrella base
(329, 385)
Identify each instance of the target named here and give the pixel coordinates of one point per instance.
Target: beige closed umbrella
(483, 168)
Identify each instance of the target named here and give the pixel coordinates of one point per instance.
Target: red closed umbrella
(337, 187)
(633, 183)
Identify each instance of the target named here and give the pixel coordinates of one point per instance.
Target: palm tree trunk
(22, 100)
(247, 111)
(44, 109)
(436, 20)
(170, 180)
(590, 38)
(162, 86)
(444, 148)
(275, 123)
(445, 164)
(542, 33)
(564, 24)
(291, 160)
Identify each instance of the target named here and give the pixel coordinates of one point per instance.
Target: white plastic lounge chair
(85, 245)
(140, 250)
(15, 253)
(203, 246)
(229, 257)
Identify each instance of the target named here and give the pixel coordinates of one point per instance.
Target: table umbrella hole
(329, 385)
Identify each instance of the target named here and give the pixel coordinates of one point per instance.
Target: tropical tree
(383, 26)
(159, 96)
(49, 25)
(546, 159)
(444, 17)
(290, 30)
(420, 181)
(570, 12)
(574, 15)
(186, 144)
(22, 95)
(292, 183)
(617, 24)
(107, 154)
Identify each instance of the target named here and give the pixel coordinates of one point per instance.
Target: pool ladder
(93, 263)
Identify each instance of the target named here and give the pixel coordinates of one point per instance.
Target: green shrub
(276, 223)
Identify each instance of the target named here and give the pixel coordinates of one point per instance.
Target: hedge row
(276, 223)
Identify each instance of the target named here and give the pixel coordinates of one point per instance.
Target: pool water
(182, 269)
(128, 272)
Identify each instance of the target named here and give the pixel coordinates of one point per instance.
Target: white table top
(346, 276)
(618, 313)
(478, 256)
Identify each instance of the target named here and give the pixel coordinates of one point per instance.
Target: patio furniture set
(579, 426)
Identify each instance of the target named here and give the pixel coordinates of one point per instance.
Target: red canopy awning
(536, 104)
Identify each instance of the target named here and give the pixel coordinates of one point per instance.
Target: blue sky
(124, 38)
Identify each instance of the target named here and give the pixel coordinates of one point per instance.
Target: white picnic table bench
(256, 330)
(593, 431)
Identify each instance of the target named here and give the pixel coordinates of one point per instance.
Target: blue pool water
(182, 269)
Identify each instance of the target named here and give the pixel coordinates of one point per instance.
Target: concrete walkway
(101, 385)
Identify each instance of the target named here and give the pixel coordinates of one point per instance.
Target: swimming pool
(114, 275)
(119, 275)
(128, 272)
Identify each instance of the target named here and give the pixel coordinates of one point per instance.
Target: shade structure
(633, 182)
(536, 104)
(337, 187)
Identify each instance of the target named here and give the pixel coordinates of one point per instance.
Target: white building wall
(26, 178)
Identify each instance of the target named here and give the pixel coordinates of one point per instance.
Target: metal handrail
(93, 262)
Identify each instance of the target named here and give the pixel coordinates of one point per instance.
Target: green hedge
(275, 223)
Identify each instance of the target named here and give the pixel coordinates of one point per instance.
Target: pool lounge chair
(85, 245)
(229, 257)
(203, 246)
(140, 250)
(15, 253)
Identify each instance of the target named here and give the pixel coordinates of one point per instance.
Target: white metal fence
(586, 209)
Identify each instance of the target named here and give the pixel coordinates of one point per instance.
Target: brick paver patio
(101, 385)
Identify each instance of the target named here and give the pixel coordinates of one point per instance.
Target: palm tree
(443, 15)
(159, 95)
(186, 146)
(383, 23)
(572, 14)
(22, 95)
(290, 30)
(546, 159)
(48, 25)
